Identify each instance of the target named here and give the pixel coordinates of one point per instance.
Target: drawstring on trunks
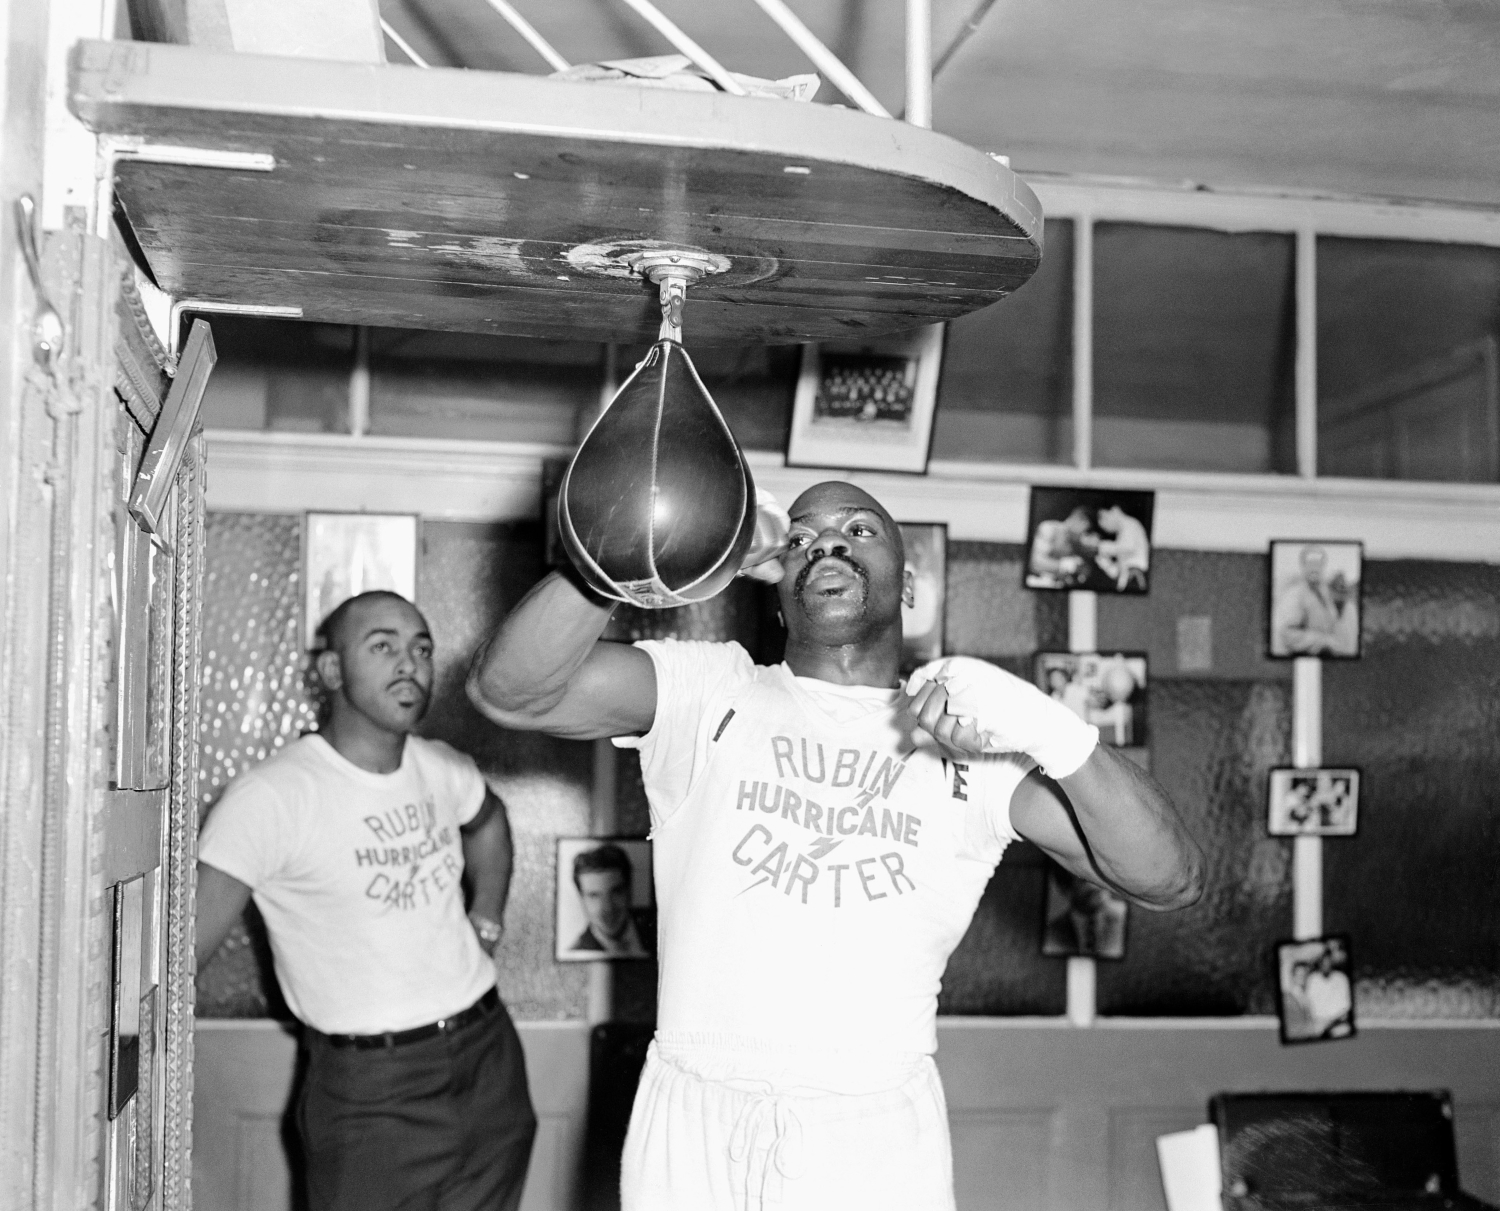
(766, 1165)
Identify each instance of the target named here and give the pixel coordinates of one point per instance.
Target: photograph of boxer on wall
(346, 554)
(1315, 989)
(1107, 689)
(1082, 918)
(1315, 598)
(605, 904)
(1086, 538)
(922, 621)
(1313, 803)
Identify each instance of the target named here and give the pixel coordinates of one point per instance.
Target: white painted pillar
(1083, 636)
(359, 384)
(609, 386)
(1306, 378)
(1307, 753)
(919, 63)
(1083, 342)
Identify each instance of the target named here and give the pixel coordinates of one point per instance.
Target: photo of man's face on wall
(604, 899)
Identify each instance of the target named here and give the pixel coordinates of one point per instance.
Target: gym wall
(1417, 713)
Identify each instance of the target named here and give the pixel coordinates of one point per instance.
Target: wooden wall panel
(1000, 1157)
(1044, 1116)
(243, 1080)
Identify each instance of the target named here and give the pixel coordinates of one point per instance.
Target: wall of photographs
(1413, 717)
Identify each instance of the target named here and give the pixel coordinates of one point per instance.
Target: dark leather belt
(396, 1038)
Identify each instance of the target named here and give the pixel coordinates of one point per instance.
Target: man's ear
(908, 587)
(330, 670)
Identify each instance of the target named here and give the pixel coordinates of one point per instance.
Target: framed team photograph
(1313, 802)
(1107, 689)
(922, 621)
(1081, 918)
(1089, 538)
(867, 406)
(1315, 607)
(346, 554)
(1315, 989)
(606, 906)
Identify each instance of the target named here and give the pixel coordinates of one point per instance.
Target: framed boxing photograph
(1080, 918)
(1316, 605)
(922, 622)
(346, 554)
(1107, 689)
(1313, 802)
(867, 406)
(606, 907)
(1315, 989)
(1089, 538)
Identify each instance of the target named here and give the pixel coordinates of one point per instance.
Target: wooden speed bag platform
(364, 193)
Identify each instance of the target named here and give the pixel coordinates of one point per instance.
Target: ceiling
(1392, 98)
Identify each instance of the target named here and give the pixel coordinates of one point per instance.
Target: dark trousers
(443, 1124)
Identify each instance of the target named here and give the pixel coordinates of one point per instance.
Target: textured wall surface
(254, 701)
(1215, 731)
(1420, 714)
(1229, 590)
(1212, 743)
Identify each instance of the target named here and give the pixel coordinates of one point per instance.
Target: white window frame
(1302, 218)
(475, 480)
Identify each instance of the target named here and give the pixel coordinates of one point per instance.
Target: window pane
(1194, 349)
(1407, 360)
(1006, 393)
(491, 388)
(279, 374)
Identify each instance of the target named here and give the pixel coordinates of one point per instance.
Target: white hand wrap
(772, 524)
(1013, 715)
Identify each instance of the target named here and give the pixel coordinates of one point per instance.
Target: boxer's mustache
(809, 568)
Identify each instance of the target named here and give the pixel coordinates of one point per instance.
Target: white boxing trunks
(718, 1128)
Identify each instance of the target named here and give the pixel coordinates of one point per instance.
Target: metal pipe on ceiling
(822, 58)
(674, 34)
(529, 32)
(402, 44)
(919, 63)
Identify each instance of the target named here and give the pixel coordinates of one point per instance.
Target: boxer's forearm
(544, 669)
(488, 860)
(1135, 837)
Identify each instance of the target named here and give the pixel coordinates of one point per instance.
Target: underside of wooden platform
(468, 200)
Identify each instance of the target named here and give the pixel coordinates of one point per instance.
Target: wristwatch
(488, 930)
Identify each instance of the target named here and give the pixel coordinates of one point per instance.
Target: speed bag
(657, 508)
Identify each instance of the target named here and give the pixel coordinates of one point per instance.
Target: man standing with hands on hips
(356, 842)
(822, 837)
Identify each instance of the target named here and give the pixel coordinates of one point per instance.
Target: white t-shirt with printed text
(359, 878)
(816, 861)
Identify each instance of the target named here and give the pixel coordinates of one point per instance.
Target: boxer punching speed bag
(658, 508)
